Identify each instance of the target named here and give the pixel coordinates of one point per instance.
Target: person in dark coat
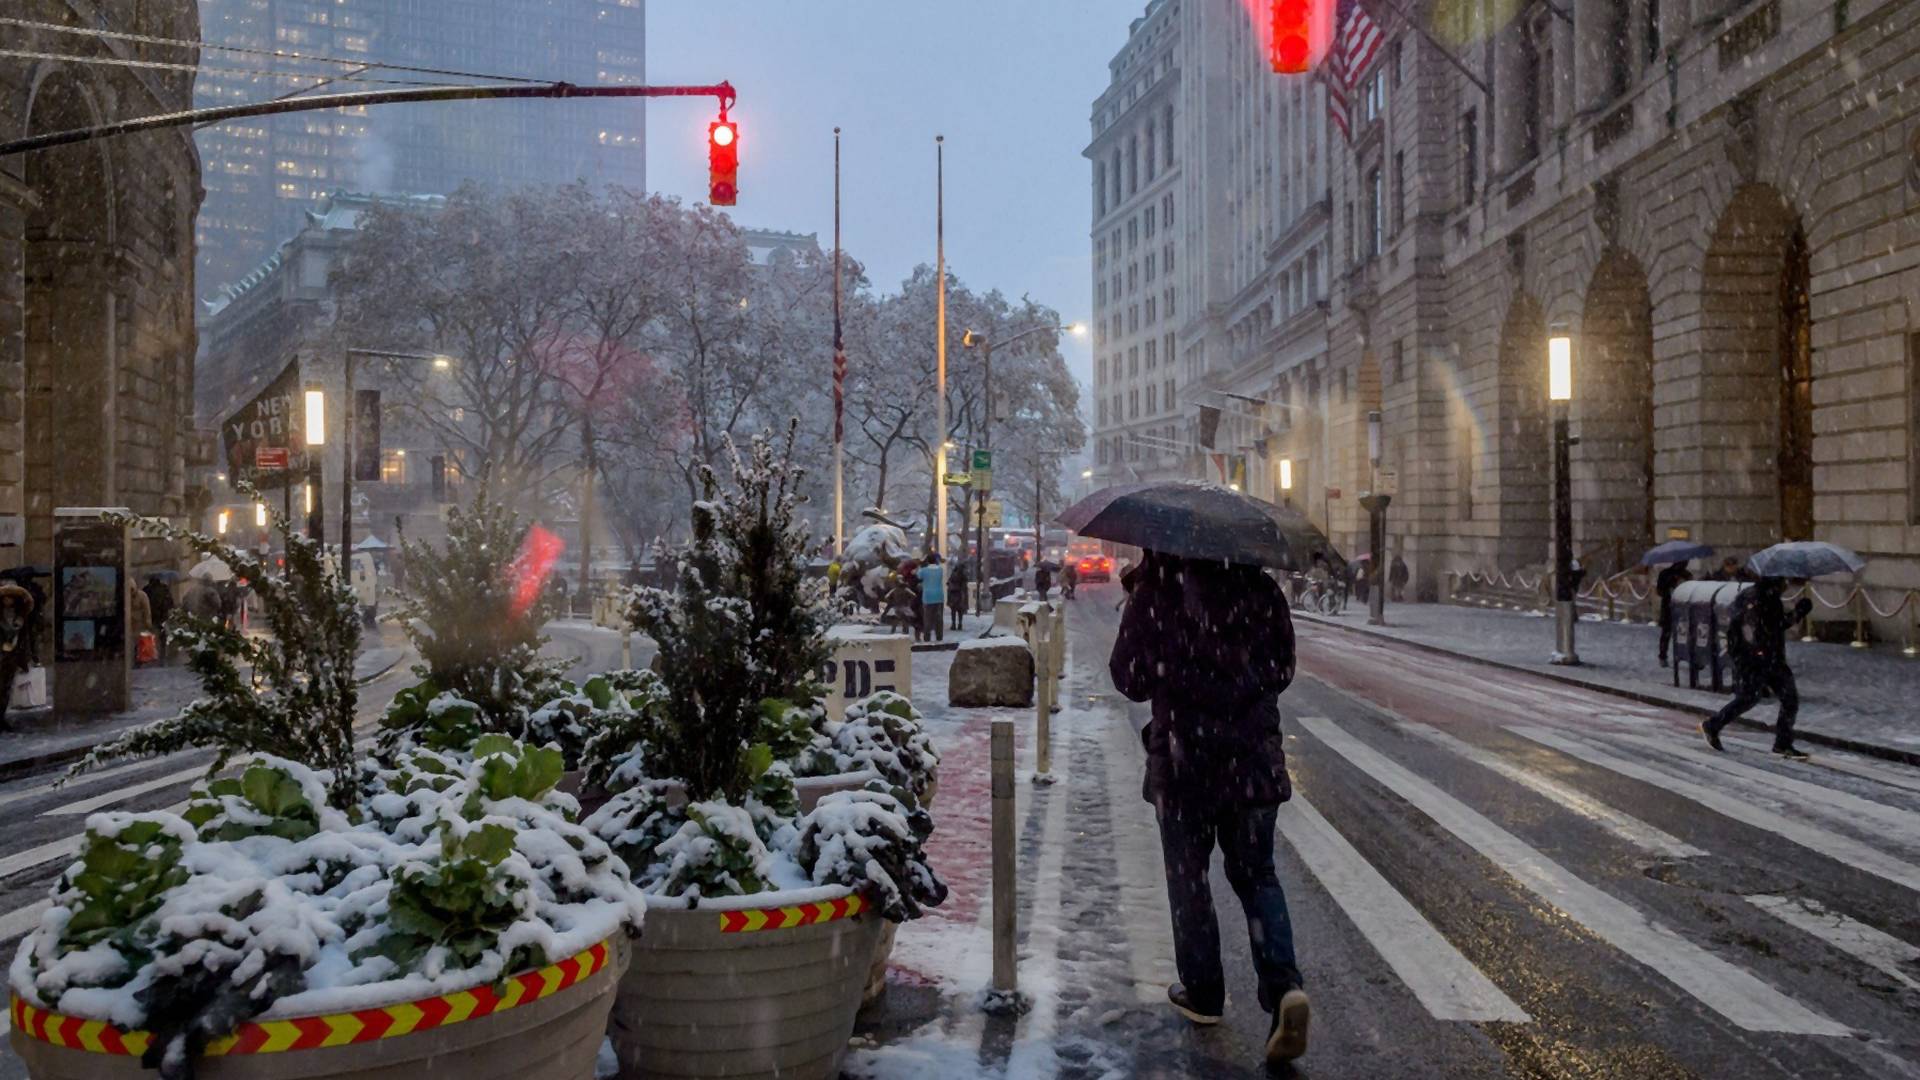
(1669, 580)
(1397, 577)
(16, 636)
(1211, 646)
(957, 592)
(1042, 579)
(1757, 644)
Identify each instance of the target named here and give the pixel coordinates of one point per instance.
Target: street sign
(1389, 482)
(982, 478)
(271, 457)
(958, 479)
(982, 461)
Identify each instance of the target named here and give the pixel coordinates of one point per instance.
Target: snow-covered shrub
(271, 798)
(885, 733)
(872, 840)
(466, 611)
(426, 715)
(636, 822)
(797, 736)
(716, 852)
(289, 692)
(460, 898)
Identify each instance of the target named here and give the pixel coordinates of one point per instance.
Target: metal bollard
(1859, 619)
(626, 649)
(1044, 691)
(1006, 979)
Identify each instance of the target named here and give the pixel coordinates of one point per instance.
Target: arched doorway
(1757, 375)
(1523, 465)
(70, 316)
(1613, 473)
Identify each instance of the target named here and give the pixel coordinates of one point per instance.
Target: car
(1096, 568)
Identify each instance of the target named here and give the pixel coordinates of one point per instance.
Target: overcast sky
(1010, 83)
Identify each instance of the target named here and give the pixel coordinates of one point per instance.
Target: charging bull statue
(873, 552)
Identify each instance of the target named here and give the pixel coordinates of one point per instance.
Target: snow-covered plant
(885, 733)
(267, 799)
(796, 735)
(616, 751)
(717, 851)
(426, 715)
(474, 621)
(126, 867)
(289, 692)
(579, 717)
(636, 822)
(873, 840)
(459, 899)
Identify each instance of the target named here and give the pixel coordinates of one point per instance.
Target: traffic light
(723, 162)
(1302, 31)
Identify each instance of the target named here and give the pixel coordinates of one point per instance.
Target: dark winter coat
(1669, 580)
(1757, 628)
(160, 599)
(1042, 579)
(957, 586)
(1211, 646)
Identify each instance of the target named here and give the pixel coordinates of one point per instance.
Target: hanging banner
(366, 435)
(1209, 425)
(268, 422)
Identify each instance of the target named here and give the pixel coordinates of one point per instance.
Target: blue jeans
(1245, 837)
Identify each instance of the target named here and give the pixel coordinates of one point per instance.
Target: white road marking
(1731, 991)
(22, 919)
(1142, 868)
(1628, 828)
(1845, 849)
(1775, 786)
(1838, 762)
(1443, 980)
(84, 780)
(1858, 940)
(64, 848)
(88, 806)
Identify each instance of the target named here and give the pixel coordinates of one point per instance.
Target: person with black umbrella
(1757, 643)
(1210, 644)
(1663, 585)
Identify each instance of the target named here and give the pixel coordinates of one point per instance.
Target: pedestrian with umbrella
(1757, 636)
(1207, 638)
(1042, 578)
(1675, 554)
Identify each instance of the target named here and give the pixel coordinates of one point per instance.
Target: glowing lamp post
(316, 436)
(1565, 584)
(1376, 503)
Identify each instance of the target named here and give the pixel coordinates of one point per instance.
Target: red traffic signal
(723, 162)
(1301, 32)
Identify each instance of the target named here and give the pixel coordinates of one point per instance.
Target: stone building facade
(96, 277)
(1719, 203)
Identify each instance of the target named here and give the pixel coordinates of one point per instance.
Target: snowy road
(44, 822)
(1490, 875)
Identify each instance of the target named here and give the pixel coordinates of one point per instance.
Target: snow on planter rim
(362, 1024)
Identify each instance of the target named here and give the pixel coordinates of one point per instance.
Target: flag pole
(839, 374)
(940, 271)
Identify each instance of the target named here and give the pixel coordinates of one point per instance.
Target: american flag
(1356, 42)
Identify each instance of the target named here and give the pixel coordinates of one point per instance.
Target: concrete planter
(541, 1025)
(812, 789)
(883, 949)
(745, 992)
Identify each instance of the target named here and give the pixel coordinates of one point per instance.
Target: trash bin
(1701, 611)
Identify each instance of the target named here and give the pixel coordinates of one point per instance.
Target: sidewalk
(42, 738)
(1853, 699)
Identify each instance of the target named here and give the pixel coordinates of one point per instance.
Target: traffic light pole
(512, 91)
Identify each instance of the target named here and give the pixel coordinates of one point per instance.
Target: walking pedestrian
(16, 609)
(957, 591)
(1069, 579)
(1669, 580)
(1042, 579)
(140, 622)
(1757, 644)
(1397, 577)
(1210, 644)
(1362, 582)
(160, 602)
(933, 599)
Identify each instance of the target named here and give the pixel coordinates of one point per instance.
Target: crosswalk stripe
(1845, 849)
(63, 848)
(22, 919)
(1731, 991)
(1803, 794)
(1443, 980)
(1862, 942)
(88, 806)
(1631, 829)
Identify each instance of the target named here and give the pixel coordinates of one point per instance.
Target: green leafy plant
(716, 852)
(262, 801)
(289, 692)
(126, 867)
(505, 769)
(426, 715)
(885, 733)
(461, 900)
(793, 733)
(873, 839)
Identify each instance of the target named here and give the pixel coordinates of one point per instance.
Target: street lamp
(1376, 502)
(220, 522)
(440, 362)
(1286, 480)
(316, 436)
(1565, 587)
(974, 340)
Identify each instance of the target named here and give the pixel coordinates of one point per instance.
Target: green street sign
(982, 460)
(959, 479)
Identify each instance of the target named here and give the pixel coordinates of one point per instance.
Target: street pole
(1006, 979)
(1565, 588)
(940, 271)
(1376, 504)
(982, 591)
(586, 505)
(346, 471)
(839, 375)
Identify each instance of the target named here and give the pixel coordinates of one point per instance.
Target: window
(1102, 376)
(1103, 412)
(1133, 233)
(1166, 257)
(1150, 158)
(1470, 155)
(1133, 165)
(1100, 189)
(1153, 406)
(1100, 294)
(1166, 395)
(1376, 213)
(1133, 361)
(1133, 404)
(393, 467)
(1100, 254)
(1169, 303)
(1168, 350)
(1166, 209)
(1399, 191)
(1150, 216)
(1149, 267)
(1399, 369)
(1133, 278)
(1166, 149)
(1099, 333)
(1151, 308)
(1152, 349)
(1653, 31)
(1393, 62)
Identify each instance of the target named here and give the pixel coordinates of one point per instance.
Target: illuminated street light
(316, 417)
(1286, 474)
(1560, 368)
(220, 523)
(442, 363)
(260, 514)
(1566, 584)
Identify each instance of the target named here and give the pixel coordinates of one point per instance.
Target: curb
(1644, 697)
(18, 767)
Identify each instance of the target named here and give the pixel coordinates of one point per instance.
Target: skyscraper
(260, 174)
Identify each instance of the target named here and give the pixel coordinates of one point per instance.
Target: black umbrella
(1674, 551)
(1199, 521)
(22, 573)
(1804, 559)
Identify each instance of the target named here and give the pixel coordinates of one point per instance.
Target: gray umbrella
(1199, 521)
(1804, 559)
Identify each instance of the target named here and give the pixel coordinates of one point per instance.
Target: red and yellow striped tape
(781, 918)
(313, 1032)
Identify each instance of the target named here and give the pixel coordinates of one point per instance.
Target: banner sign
(1209, 426)
(865, 665)
(366, 434)
(269, 421)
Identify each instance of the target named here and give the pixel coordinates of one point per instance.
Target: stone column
(1506, 128)
(1594, 24)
